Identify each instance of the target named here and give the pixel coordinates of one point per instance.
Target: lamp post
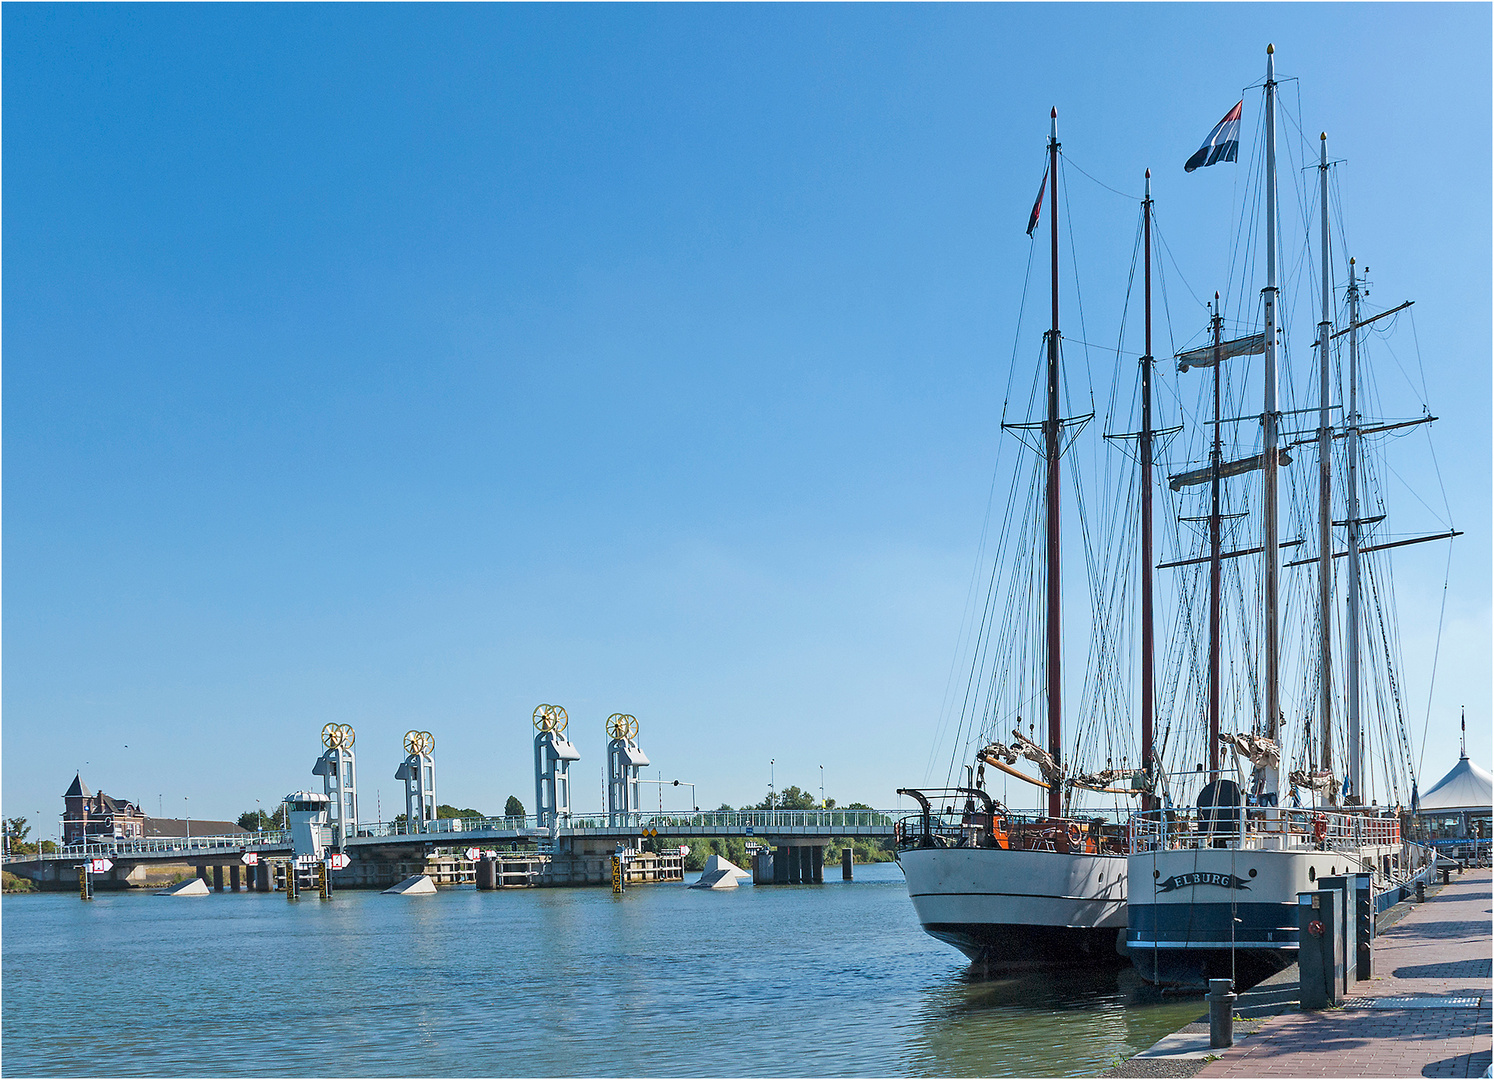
(772, 788)
(822, 787)
(188, 821)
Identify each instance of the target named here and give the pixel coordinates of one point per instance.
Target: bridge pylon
(624, 760)
(553, 754)
(418, 771)
(338, 770)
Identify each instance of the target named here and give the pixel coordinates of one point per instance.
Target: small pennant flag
(1037, 207)
(1222, 144)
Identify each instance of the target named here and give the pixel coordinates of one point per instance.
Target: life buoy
(1320, 827)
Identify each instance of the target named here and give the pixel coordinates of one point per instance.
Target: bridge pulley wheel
(550, 718)
(419, 742)
(622, 726)
(337, 736)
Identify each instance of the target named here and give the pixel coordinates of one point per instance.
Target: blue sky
(411, 366)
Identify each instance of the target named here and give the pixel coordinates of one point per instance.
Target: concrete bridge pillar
(218, 878)
(795, 865)
(845, 864)
(262, 877)
(817, 864)
(780, 865)
(233, 877)
(202, 872)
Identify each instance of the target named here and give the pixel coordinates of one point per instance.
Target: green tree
(513, 808)
(445, 811)
(790, 798)
(16, 831)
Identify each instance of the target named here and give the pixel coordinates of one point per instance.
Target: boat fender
(1320, 827)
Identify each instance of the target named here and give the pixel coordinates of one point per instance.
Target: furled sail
(1204, 356)
(1228, 469)
(1257, 748)
(1322, 782)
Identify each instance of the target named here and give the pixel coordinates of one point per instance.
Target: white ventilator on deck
(306, 817)
(418, 771)
(624, 759)
(721, 873)
(339, 774)
(553, 755)
(419, 885)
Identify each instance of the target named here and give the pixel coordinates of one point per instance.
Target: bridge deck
(459, 832)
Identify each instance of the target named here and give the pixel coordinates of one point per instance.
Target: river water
(790, 980)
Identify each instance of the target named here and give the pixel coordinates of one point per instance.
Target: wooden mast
(1270, 420)
(1148, 802)
(1325, 485)
(1051, 431)
(1216, 562)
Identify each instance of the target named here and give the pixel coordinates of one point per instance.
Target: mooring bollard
(1421, 892)
(1221, 1014)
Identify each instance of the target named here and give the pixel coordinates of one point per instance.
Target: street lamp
(691, 786)
(822, 787)
(772, 788)
(188, 820)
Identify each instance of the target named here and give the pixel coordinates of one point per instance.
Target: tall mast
(1269, 420)
(1147, 800)
(1352, 645)
(1216, 575)
(1325, 489)
(1051, 432)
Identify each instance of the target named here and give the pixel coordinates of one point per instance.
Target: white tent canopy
(1466, 787)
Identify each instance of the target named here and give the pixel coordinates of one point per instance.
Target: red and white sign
(473, 854)
(339, 861)
(491, 854)
(249, 858)
(684, 849)
(100, 866)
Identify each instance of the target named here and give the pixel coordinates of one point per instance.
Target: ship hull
(1017, 909)
(1207, 913)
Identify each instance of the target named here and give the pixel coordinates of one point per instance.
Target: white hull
(998, 905)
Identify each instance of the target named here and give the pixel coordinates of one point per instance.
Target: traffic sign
(473, 854)
(339, 861)
(490, 853)
(749, 830)
(249, 858)
(684, 849)
(100, 866)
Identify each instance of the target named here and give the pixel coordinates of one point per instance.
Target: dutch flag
(1222, 144)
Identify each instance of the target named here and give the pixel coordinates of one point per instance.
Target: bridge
(795, 833)
(571, 844)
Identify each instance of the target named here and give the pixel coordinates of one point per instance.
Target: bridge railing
(162, 845)
(735, 821)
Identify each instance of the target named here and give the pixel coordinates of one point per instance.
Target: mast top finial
(1149, 174)
(1351, 260)
(1054, 113)
(1270, 49)
(1323, 136)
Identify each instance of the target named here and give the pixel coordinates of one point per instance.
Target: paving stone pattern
(1441, 948)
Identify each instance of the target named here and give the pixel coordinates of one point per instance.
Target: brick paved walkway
(1442, 948)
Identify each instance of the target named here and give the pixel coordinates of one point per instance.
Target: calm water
(834, 979)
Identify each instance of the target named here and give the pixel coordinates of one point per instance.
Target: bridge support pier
(217, 879)
(262, 880)
(817, 864)
(233, 877)
(845, 864)
(202, 872)
(780, 865)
